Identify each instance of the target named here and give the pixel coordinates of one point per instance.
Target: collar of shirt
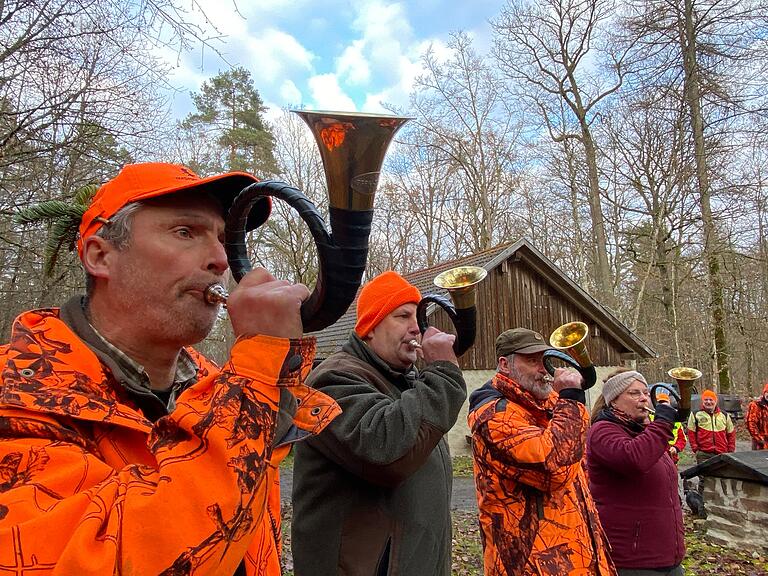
(186, 371)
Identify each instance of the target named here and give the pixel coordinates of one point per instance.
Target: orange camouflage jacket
(756, 422)
(88, 485)
(536, 514)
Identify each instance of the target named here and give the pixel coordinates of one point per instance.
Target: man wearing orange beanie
(710, 430)
(371, 494)
(756, 421)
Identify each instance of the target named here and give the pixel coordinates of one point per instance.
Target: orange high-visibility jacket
(713, 433)
(536, 514)
(89, 486)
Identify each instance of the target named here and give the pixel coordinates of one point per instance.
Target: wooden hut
(523, 288)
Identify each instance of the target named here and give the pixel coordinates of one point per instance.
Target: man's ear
(97, 256)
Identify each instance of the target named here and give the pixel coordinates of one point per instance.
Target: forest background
(626, 140)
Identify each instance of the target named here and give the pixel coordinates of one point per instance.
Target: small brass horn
(570, 338)
(461, 283)
(569, 346)
(685, 377)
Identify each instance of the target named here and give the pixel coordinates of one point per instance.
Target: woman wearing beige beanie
(633, 479)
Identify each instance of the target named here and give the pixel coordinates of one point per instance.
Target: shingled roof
(750, 465)
(331, 339)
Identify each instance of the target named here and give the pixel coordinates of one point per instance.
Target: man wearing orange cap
(756, 421)
(710, 430)
(122, 450)
(371, 494)
(529, 432)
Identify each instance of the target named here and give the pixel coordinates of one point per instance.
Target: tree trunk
(570, 155)
(603, 269)
(711, 255)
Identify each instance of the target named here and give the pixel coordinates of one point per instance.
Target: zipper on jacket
(636, 537)
(382, 567)
(539, 505)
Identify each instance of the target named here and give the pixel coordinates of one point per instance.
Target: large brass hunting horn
(685, 377)
(568, 341)
(461, 284)
(352, 147)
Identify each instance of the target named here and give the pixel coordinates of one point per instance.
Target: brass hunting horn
(568, 341)
(352, 147)
(461, 284)
(685, 377)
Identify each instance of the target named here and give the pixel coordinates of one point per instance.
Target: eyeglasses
(637, 393)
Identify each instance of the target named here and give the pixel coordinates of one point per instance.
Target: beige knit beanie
(615, 385)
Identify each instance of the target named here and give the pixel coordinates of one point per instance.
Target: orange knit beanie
(381, 296)
(709, 394)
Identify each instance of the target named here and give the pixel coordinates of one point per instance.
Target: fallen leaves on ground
(702, 559)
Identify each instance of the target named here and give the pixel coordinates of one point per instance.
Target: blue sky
(331, 54)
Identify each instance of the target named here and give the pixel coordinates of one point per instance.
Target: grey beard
(538, 388)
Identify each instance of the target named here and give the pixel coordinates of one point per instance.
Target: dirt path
(463, 497)
(463, 491)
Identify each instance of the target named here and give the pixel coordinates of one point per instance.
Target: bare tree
(420, 198)
(474, 132)
(78, 98)
(699, 45)
(552, 54)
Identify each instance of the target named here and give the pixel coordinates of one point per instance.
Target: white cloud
(328, 95)
(397, 93)
(353, 64)
(332, 55)
(290, 94)
(272, 54)
(386, 35)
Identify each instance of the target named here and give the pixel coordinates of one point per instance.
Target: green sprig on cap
(64, 218)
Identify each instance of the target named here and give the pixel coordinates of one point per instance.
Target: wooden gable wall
(515, 295)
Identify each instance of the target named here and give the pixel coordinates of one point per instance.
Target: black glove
(666, 412)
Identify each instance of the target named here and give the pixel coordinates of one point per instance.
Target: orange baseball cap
(152, 179)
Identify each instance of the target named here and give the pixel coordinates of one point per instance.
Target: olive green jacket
(371, 494)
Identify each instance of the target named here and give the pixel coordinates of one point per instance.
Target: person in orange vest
(756, 421)
(710, 430)
(677, 442)
(122, 449)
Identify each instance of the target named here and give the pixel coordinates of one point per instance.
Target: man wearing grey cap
(528, 436)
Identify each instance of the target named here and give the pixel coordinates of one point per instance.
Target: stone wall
(737, 513)
(475, 378)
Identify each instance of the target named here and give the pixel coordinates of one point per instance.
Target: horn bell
(685, 377)
(460, 282)
(570, 338)
(685, 374)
